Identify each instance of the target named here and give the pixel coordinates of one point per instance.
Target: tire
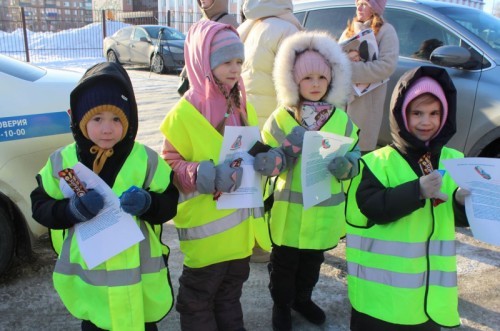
(157, 64)
(7, 241)
(111, 57)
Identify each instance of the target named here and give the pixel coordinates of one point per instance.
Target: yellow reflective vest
(208, 235)
(403, 272)
(131, 288)
(321, 226)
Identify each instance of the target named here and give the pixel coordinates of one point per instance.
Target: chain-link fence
(34, 34)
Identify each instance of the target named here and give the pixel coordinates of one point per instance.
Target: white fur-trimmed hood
(288, 91)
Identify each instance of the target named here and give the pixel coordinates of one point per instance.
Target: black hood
(404, 140)
(114, 74)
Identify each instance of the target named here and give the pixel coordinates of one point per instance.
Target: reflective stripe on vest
(200, 225)
(218, 226)
(110, 278)
(408, 265)
(287, 211)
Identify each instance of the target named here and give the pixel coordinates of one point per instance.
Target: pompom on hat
(311, 62)
(102, 96)
(378, 6)
(422, 86)
(225, 46)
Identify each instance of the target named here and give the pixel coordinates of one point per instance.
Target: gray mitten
(135, 201)
(86, 207)
(205, 177)
(340, 167)
(345, 167)
(227, 178)
(270, 163)
(292, 145)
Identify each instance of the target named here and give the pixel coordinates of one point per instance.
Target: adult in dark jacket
(402, 213)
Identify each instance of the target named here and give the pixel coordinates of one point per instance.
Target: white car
(33, 123)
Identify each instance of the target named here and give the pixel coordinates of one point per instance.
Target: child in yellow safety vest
(130, 290)
(312, 78)
(401, 215)
(216, 243)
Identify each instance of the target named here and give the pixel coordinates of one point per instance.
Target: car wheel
(6, 241)
(111, 56)
(157, 64)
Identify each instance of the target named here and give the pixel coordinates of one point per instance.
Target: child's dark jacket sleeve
(163, 205)
(48, 211)
(383, 205)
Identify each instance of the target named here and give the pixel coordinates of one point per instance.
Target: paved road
(29, 302)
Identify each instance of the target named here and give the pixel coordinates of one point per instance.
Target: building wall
(43, 15)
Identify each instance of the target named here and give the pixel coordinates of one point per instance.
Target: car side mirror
(145, 39)
(450, 56)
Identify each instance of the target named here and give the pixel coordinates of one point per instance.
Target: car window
(171, 34)
(168, 33)
(333, 20)
(21, 69)
(300, 16)
(484, 26)
(418, 35)
(123, 33)
(139, 33)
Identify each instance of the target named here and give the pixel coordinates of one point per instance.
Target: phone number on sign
(12, 133)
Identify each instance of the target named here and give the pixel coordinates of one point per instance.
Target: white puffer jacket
(268, 23)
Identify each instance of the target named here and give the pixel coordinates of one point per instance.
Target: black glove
(135, 201)
(86, 207)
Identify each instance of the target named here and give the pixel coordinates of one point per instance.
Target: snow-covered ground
(47, 48)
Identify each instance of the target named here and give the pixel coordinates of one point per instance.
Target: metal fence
(39, 35)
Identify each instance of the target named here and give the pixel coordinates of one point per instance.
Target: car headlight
(171, 49)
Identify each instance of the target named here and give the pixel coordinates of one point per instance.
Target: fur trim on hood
(288, 91)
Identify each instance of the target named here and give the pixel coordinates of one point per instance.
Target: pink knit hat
(378, 6)
(225, 46)
(421, 86)
(311, 62)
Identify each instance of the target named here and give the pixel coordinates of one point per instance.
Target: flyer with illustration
(237, 142)
(481, 176)
(319, 149)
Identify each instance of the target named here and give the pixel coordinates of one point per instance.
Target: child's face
(424, 119)
(105, 129)
(228, 73)
(313, 87)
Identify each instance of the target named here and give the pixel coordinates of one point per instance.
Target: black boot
(282, 318)
(307, 308)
